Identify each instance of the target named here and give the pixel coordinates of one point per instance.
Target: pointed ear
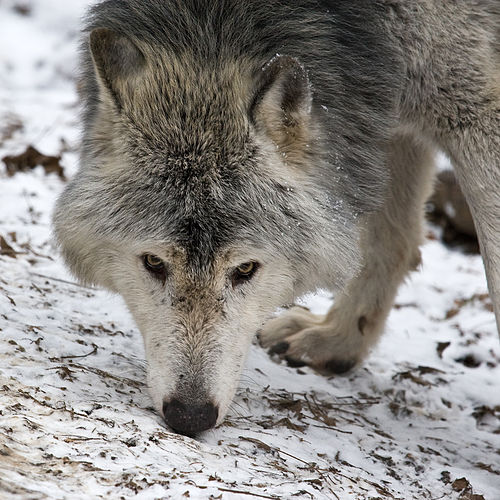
(282, 104)
(118, 63)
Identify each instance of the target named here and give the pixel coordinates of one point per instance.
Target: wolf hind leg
(390, 239)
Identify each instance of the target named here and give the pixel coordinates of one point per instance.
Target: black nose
(189, 419)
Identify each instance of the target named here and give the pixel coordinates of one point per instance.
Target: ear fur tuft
(118, 63)
(282, 104)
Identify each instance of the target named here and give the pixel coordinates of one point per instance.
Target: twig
(82, 355)
(34, 252)
(330, 428)
(101, 373)
(241, 492)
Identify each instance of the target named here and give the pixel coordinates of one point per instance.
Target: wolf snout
(189, 419)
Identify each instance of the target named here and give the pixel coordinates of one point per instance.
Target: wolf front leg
(475, 153)
(389, 243)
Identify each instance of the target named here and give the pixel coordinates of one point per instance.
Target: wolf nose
(189, 419)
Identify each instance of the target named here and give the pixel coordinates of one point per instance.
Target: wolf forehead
(198, 201)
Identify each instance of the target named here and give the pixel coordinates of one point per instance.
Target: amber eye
(243, 273)
(246, 268)
(154, 265)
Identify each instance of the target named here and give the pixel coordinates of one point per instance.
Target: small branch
(82, 355)
(241, 492)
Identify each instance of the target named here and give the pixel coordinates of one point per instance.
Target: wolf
(236, 155)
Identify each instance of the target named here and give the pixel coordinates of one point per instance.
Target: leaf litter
(30, 159)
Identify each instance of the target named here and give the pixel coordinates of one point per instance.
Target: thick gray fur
(299, 135)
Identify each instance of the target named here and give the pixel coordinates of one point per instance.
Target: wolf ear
(282, 104)
(118, 63)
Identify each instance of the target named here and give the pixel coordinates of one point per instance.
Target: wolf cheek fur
(296, 141)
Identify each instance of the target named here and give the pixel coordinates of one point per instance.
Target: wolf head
(202, 198)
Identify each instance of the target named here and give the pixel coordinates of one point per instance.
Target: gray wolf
(238, 154)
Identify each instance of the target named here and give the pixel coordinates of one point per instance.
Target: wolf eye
(154, 265)
(243, 273)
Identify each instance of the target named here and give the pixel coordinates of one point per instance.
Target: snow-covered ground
(419, 420)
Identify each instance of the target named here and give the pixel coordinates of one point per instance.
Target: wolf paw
(302, 338)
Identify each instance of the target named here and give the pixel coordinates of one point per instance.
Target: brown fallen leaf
(6, 249)
(286, 422)
(484, 413)
(424, 370)
(30, 159)
(469, 360)
(408, 375)
(441, 347)
(462, 485)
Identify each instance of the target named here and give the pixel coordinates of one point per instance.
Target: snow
(75, 417)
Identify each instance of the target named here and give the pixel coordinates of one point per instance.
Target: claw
(294, 363)
(339, 366)
(279, 348)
